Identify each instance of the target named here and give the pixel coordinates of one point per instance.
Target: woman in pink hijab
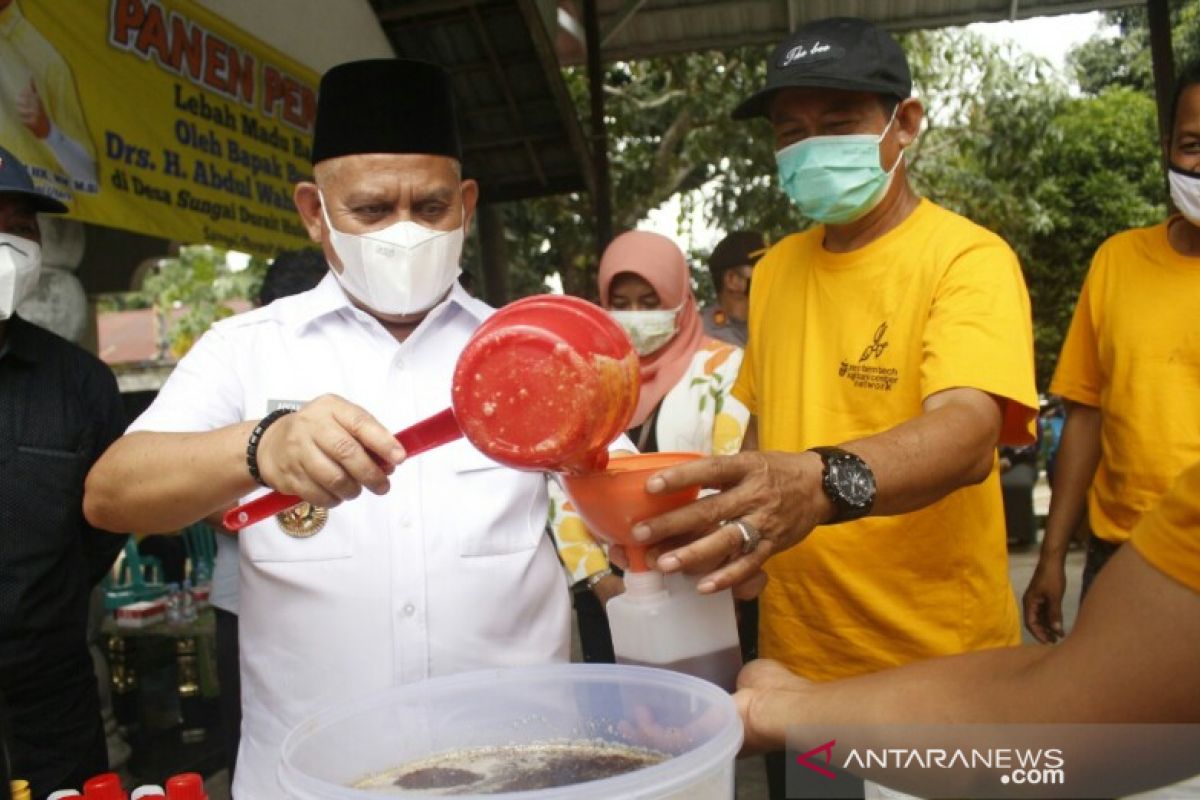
(685, 402)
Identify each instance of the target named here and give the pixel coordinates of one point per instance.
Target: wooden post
(492, 254)
(602, 191)
(1162, 57)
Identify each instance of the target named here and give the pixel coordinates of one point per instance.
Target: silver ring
(750, 536)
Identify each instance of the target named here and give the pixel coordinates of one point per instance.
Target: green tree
(669, 133)
(192, 291)
(1123, 59)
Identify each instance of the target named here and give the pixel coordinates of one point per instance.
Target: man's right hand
(1043, 600)
(327, 452)
(32, 112)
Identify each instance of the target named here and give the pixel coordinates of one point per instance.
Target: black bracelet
(256, 437)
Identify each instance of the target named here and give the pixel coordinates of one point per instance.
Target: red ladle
(545, 384)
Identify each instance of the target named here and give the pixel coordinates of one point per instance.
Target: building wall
(318, 33)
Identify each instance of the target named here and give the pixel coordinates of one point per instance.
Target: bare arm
(950, 445)
(1075, 467)
(1132, 658)
(161, 482)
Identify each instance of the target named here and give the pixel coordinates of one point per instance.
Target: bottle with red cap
(186, 786)
(105, 786)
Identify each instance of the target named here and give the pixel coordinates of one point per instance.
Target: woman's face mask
(649, 330)
(836, 179)
(20, 264)
(402, 269)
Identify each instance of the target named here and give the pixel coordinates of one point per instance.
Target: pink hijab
(658, 261)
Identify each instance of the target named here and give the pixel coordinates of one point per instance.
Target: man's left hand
(777, 496)
(761, 686)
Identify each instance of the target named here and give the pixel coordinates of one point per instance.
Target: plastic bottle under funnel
(662, 621)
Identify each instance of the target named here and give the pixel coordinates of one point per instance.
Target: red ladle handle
(427, 434)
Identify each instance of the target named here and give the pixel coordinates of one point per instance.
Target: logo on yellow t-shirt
(871, 377)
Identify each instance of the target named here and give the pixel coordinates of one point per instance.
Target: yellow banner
(159, 117)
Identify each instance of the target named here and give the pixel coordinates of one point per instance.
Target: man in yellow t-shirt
(1130, 371)
(896, 338)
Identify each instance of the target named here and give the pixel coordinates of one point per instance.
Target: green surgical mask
(835, 179)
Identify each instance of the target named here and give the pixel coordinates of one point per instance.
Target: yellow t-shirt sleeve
(744, 388)
(1169, 536)
(1078, 376)
(980, 335)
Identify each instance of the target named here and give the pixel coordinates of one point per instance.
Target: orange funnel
(611, 502)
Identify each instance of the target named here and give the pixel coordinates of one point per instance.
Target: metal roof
(633, 29)
(521, 134)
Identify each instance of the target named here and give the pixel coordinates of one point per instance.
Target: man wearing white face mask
(59, 410)
(442, 566)
(890, 351)
(1130, 372)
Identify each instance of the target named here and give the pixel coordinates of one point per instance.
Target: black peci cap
(737, 249)
(386, 105)
(15, 180)
(835, 53)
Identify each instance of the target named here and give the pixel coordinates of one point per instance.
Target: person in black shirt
(59, 410)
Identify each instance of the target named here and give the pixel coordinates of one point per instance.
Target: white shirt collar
(328, 297)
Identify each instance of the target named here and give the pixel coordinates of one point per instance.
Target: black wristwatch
(848, 482)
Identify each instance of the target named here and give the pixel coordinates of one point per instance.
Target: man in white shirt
(442, 565)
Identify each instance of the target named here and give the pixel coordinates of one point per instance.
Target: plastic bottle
(148, 792)
(105, 786)
(174, 605)
(20, 790)
(664, 622)
(187, 603)
(186, 786)
(63, 794)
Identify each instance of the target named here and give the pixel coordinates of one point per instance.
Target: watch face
(855, 484)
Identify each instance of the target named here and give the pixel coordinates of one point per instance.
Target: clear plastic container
(662, 621)
(691, 720)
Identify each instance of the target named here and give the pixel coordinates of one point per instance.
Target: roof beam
(421, 8)
(544, 47)
(510, 97)
(623, 16)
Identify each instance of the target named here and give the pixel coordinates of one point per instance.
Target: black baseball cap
(14, 179)
(834, 53)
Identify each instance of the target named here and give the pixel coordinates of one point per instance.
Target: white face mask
(20, 264)
(648, 330)
(1185, 192)
(404, 268)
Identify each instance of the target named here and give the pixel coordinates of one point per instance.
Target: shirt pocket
(499, 511)
(51, 507)
(266, 542)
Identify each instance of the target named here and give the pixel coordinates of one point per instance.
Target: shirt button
(409, 610)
